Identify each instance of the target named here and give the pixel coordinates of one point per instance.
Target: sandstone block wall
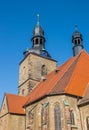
(12, 122)
(84, 113)
(30, 72)
(66, 103)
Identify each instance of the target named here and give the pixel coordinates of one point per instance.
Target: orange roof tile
(80, 76)
(72, 78)
(15, 103)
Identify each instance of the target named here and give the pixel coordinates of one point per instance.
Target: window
(87, 122)
(78, 41)
(43, 70)
(24, 70)
(40, 41)
(72, 117)
(23, 91)
(36, 41)
(75, 42)
(57, 117)
(3, 106)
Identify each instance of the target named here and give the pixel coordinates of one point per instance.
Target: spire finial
(38, 19)
(76, 27)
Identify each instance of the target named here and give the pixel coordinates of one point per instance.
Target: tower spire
(76, 27)
(38, 19)
(38, 41)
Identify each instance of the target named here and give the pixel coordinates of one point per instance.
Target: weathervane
(38, 19)
(76, 27)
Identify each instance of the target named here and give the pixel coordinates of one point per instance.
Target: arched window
(57, 117)
(43, 70)
(37, 41)
(72, 122)
(78, 41)
(40, 41)
(87, 121)
(23, 90)
(75, 42)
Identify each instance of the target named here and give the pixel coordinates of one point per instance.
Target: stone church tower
(36, 63)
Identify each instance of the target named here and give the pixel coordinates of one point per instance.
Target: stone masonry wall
(16, 122)
(4, 122)
(84, 111)
(66, 103)
(4, 108)
(30, 72)
(12, 122)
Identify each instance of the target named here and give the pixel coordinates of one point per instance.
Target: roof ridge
(82, 55)
(10, 94)
(63, 73)
(77, 57)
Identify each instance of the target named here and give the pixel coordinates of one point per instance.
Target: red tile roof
(15, 103)
(72, 78)
(80, 76)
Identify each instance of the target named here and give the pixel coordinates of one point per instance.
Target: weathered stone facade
(65, 103)
(12, 122)
(30, 73)
(84, 114)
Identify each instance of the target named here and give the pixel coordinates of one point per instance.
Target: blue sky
(17, 20)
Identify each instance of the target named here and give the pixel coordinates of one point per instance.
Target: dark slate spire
(77, 41)
(38, 41)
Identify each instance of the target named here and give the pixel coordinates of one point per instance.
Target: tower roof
(38, 31)
(38, 42)
(76, 33)
(72, 78)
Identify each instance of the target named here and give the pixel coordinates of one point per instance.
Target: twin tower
(37, 61)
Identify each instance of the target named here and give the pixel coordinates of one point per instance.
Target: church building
(50, 97)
